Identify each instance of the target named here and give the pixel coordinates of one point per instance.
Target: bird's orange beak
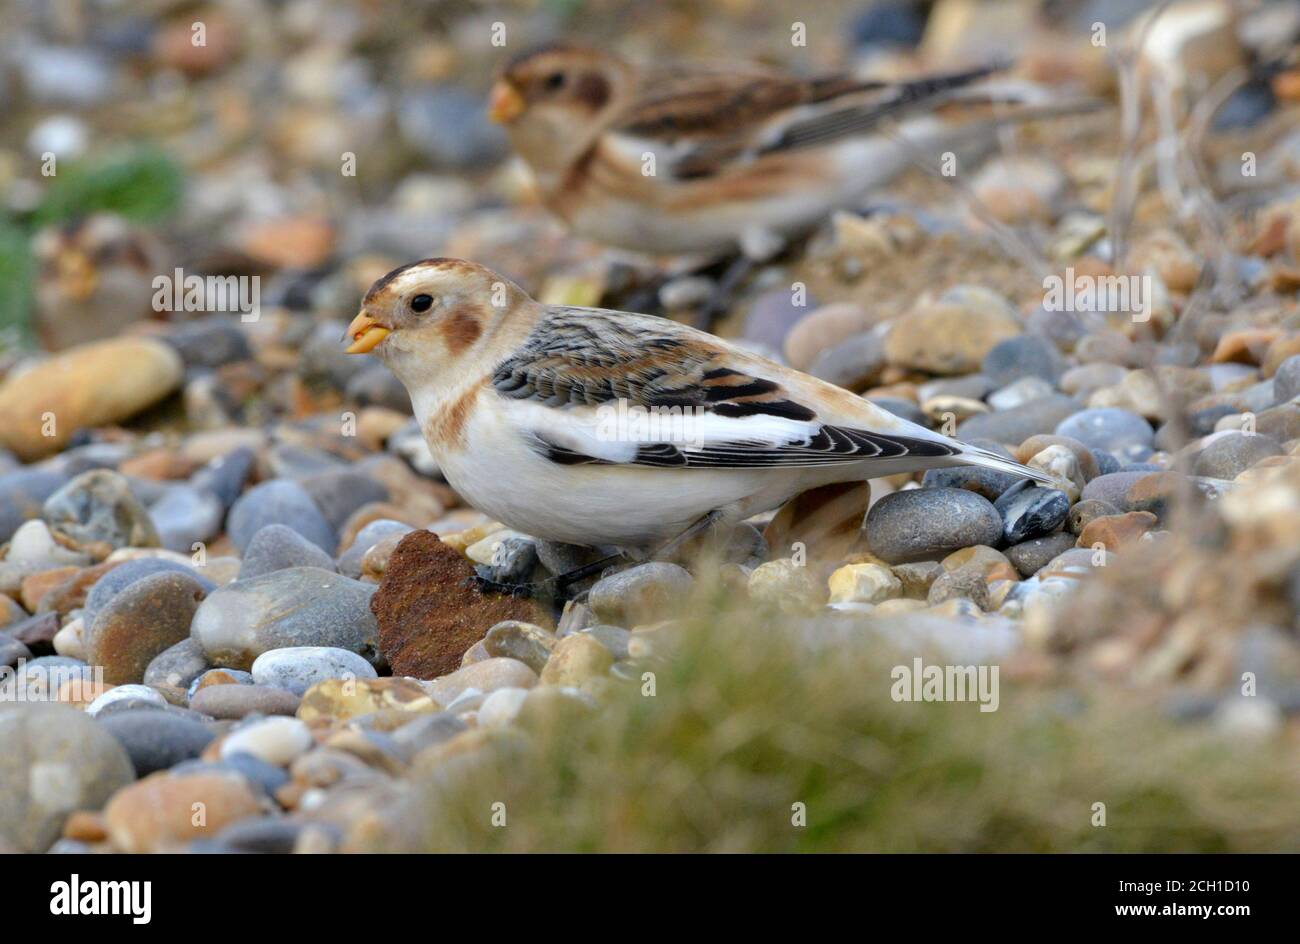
(365, 333)
(505, 104)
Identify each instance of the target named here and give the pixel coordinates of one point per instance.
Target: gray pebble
(1230, 454)
(157, 740)
(278, 547)
(919, 524)
(300, 606)
(279, 501)
(1109, 428)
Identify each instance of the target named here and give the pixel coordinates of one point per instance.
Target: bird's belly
(625, 506)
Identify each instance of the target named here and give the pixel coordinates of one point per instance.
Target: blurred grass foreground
(763, 734)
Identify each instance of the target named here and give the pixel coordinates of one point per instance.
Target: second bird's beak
(505, 104)
(365, 333)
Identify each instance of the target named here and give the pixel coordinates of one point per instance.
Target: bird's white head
(426, 317)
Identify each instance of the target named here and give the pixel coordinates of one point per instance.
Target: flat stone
(429, 613)
(238, 701)
(340, 699)
(1108, 428)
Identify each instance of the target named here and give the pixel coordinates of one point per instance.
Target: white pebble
(123, 692)
(274, 740)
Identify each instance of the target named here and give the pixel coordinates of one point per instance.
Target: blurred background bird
(705, 158)
(94, 278)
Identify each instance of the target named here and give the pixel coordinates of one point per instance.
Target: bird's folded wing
(590, 386)
(706, 123)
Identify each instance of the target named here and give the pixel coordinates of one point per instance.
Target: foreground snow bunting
(604, 428)
(705, 159)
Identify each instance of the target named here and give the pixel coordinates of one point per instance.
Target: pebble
(486, 676)
(576, 661)
(22, 493)
(141, 622)
(224, 475)
(91, 385)
(300, 606)
(350, 561)
(640, 594)
(186, 516)
(916, 577)
(964, 583)
(772, 316)
(1117, 531)
(157, 740)
(124, 693)
(278, 501)
(864, 583)
(823, 328)
(97, 506)
(918, 524)
(1031, 511)
(1033, 555)
(529, 644)
(1018, 393)
(157, 814)
(1114, 430)
(1062, 464)
(114, 581)
(238, 701)
(340, 492)
(948, 338)
(278, 547)
(1020, 357)
(56, 761)
(177, 666)
(1229, 454)
(298, 668)
(501, 707)
(1081, 513)
(340, 699)
(989, 483)
(854, 363)
(12, 651)
(1286, 380)
(1113, 488)
(275, 740)
(786, 585)
(1016, 425)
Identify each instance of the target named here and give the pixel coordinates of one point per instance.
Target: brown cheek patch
(460, 329)
(592, 90)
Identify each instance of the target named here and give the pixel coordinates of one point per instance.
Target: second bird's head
(423, 318)
(553, 101)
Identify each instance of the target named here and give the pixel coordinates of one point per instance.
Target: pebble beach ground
(233, 579)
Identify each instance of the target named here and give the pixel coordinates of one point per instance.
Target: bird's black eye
(421, 303)
(554, 82)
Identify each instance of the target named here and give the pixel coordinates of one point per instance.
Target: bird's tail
(974, 455)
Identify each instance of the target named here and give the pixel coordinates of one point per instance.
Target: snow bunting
(699, 159)
(604, 428)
